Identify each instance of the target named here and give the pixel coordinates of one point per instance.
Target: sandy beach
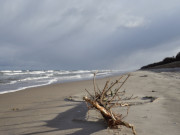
(45, 111)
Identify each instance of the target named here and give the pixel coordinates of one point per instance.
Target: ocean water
(15, 80)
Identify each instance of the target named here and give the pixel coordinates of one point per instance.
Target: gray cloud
(87, 34)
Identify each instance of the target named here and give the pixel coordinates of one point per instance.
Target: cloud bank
(87, 34)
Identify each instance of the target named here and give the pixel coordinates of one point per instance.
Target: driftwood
(103, 101)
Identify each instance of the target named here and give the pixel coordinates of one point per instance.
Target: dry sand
(43, 110)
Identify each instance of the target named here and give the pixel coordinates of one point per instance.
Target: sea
(15, 80)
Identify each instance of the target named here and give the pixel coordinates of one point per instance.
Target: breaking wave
(14, 80)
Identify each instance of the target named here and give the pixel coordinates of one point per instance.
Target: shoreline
(69, 81)
(56, 81)
(44, 110)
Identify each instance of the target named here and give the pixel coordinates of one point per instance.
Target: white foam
(17, 71)
(50, 71)
(12, 82)
(11, 71)
(36, 72)
(52, 81)
(14, 73)
(6, 71)
(81, 71)
(70, 77)
(24, 88)
(33, 78)
(99, 74)
(63, 72)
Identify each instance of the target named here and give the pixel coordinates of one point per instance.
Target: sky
(87, 34)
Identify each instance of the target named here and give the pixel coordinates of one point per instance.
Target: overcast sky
(87, 34)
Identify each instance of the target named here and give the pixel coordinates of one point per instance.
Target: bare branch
(113, 84)
(103, 92)
(102, 102)
(119, 88)
(94, 83)
(89, 93)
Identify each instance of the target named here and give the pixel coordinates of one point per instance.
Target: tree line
(166, 60)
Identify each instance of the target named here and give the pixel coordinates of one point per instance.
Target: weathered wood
(101, 102)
